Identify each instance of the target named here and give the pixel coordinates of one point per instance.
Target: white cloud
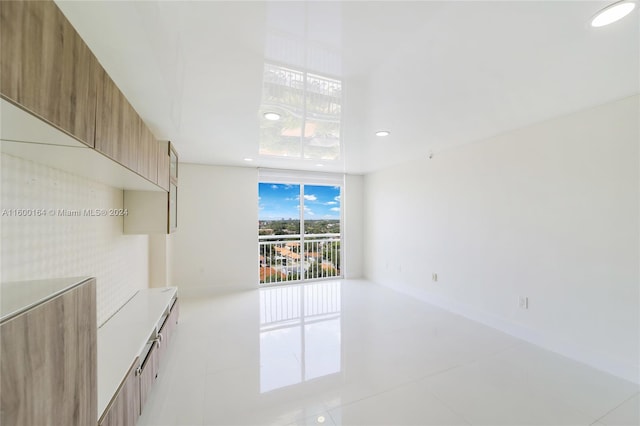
(274, 186)
(335, 209)
(307, 211)
(331, 203)
(337, 198)
(310, 197)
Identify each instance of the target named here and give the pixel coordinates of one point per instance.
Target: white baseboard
(624, 371)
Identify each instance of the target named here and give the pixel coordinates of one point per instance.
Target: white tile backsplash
(53, 245)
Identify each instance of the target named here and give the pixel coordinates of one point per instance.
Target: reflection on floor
(299, 334)
(354, 353)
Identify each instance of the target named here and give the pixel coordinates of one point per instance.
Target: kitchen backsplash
(55, 224)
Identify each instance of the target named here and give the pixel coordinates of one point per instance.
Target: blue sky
(278, 201)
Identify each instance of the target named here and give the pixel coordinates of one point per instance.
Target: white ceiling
(436, 74)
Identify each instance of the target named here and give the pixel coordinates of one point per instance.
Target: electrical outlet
(523, 302)
(434, 277)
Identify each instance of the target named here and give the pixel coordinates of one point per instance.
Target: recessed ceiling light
(383, 133)
(272, 116)
(319, 165)
(612, 13)
(248, 159)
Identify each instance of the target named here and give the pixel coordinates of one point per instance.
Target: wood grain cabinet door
(164, 164)
(46, 67)
(167, 330)
(121, 134)
(108, 118)
(117, 125)
(130, 125)
(48, 358)
(124, 409)
(148, 154)
(148, 374)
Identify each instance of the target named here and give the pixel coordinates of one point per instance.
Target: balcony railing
(293, 257)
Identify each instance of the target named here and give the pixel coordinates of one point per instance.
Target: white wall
(55, 246)
(215, 247)
(550, 212)
(160, 260)
(352, 204)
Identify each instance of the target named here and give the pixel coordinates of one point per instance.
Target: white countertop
(18, 296)
(123, 337)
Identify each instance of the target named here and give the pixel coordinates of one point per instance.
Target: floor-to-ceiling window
(299, 231)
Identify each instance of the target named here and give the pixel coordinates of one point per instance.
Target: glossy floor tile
(354, 353)
(627, 413)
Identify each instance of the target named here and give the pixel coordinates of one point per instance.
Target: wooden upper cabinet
(46, 67)
(148, 154)
(130, 125)
(164, 161)
(118, 126)
(108, 116)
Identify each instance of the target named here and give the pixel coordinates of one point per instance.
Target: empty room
(319, 213)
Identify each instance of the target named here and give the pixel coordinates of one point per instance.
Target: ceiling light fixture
(612, 13)
(272, 116)
(248, 159)
(383, 133)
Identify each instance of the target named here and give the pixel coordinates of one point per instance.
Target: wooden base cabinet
(149, 373)
(124, 409)
(167, 329)
(123, 406)
(48, 356)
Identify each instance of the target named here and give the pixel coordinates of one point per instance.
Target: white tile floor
(354, 353)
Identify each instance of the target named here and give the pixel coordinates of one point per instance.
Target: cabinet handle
(161, 337)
